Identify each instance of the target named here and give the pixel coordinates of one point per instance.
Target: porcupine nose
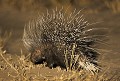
(36, 57)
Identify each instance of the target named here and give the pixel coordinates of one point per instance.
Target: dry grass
(19, 68)
(4, 38)
(92, 6)
(114, 6)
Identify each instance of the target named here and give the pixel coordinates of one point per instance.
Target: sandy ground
(11, 20)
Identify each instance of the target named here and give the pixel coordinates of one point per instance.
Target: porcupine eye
(36, 57)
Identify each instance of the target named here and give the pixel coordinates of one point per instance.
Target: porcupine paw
(51, 64)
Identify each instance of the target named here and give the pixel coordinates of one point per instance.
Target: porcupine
(57, 36)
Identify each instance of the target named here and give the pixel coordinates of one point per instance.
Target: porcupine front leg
(49, 56)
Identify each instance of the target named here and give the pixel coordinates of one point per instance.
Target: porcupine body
(61, 39)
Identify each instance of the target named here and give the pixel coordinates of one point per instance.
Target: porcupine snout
(37, 56)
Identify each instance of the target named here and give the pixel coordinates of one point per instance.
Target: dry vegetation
(114, 6)
(92, 6)
(19, 68)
